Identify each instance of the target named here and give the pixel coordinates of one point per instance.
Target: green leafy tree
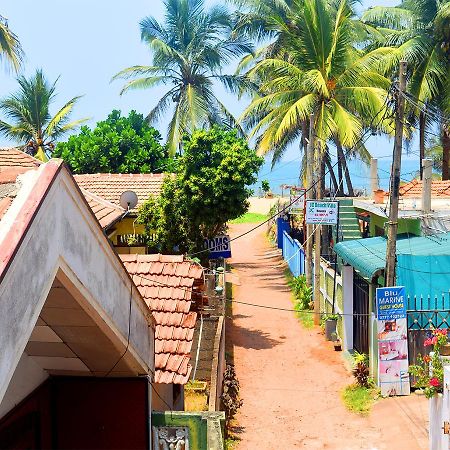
(209, 189)
(189, 51)
(31, 124)
(117, 145)
(318, 68)
(10, 49)
(421, 31)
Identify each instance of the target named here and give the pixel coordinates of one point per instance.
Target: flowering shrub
(429, 371)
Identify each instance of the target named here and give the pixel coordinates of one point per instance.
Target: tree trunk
(304, 149)
(341, 181)
(421, 141)
(331, 172)
(445, 153)
(341, 156)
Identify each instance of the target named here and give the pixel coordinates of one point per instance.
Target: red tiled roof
(165, 282)
(5, 203)
(413, 189)
(110, 186)
(107, 213)
(14, 162)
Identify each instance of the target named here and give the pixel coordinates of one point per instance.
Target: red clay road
(291, 378)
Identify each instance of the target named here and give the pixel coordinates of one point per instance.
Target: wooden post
(309, 195)
(391, 247)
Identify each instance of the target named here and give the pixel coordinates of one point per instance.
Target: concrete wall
(203, 366)
(411, 226)
(163, 397)
(65, 238)
(218, 367)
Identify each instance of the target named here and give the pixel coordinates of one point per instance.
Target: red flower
(434, 340)
(427, 342)
(427, 358)
(434, 382)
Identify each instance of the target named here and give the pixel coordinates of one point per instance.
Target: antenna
(128, 200)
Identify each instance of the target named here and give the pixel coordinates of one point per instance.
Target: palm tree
(189, 51)
(32, 125)
(420, 29)
(319, 70)
(10, 49)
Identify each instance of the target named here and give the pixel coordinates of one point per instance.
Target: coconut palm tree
(319, 70)
(421, 29)
(31, 124)
(10, 49)
(189, 50)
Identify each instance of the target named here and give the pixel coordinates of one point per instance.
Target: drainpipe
(426, 185)
(373, 177)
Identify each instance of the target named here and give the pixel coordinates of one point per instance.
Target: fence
(293, 254)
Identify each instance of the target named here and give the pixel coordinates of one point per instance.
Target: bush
(302, 292)
(230, 395)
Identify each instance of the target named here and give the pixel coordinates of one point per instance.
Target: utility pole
(317, 243)
(391, 247)
(309, 195)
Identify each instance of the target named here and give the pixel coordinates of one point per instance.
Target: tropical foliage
(420, 30)
(210, 188)
(30, 123)
(11, 52)
(189, 51)
(316, 67)
(118, 145)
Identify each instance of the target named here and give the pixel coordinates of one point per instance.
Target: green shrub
(302, 292)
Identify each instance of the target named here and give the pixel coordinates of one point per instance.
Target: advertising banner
(297, 201)
(322, 213)
(219, 247)
(393, 376)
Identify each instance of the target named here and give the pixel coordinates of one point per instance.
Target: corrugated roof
(110, 186)
(368, 256)
(165, 282)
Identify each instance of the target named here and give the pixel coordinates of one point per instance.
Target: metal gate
(424, 314)
(361, 314)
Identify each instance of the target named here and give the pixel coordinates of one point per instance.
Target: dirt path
(291, 378)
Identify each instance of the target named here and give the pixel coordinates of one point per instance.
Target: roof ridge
(101, 199)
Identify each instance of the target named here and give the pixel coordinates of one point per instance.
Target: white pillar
(373, 176)
(426, 185)
(347, 293)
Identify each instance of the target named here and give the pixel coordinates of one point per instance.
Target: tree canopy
(31, 124)
(118, 145)
(11, 52)
(189, 51)
(210, 188)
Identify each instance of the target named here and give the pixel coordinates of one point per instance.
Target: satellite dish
(128, 200)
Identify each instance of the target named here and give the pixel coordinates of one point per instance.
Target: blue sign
(219, 247)
(391, 303)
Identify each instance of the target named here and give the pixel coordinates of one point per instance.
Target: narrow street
(291, 378)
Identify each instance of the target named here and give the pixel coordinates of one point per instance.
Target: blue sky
(85, 42)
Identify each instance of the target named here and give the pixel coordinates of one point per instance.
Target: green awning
(368, 256)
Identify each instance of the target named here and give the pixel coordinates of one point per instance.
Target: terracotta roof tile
(5, 203)
(107, 213)
(14, 162)
(165, 282)
(110, 186)
(413, 189)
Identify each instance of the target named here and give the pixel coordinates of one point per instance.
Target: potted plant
(336, 342)
(330, 325)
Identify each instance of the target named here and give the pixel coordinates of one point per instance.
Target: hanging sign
(393, 376)
(219, 247)
(297, 201)
(322, 213)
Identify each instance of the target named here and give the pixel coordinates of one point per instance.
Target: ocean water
(287, 172)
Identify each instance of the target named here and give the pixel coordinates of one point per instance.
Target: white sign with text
(322, 213)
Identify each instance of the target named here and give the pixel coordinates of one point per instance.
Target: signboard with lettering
(321, 213)
(297, 200)
(393, 376)
(219, 247)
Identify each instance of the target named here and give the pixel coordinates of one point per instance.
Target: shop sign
(297, 201)
(321, 213)
(393, 376)
(219, 247)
